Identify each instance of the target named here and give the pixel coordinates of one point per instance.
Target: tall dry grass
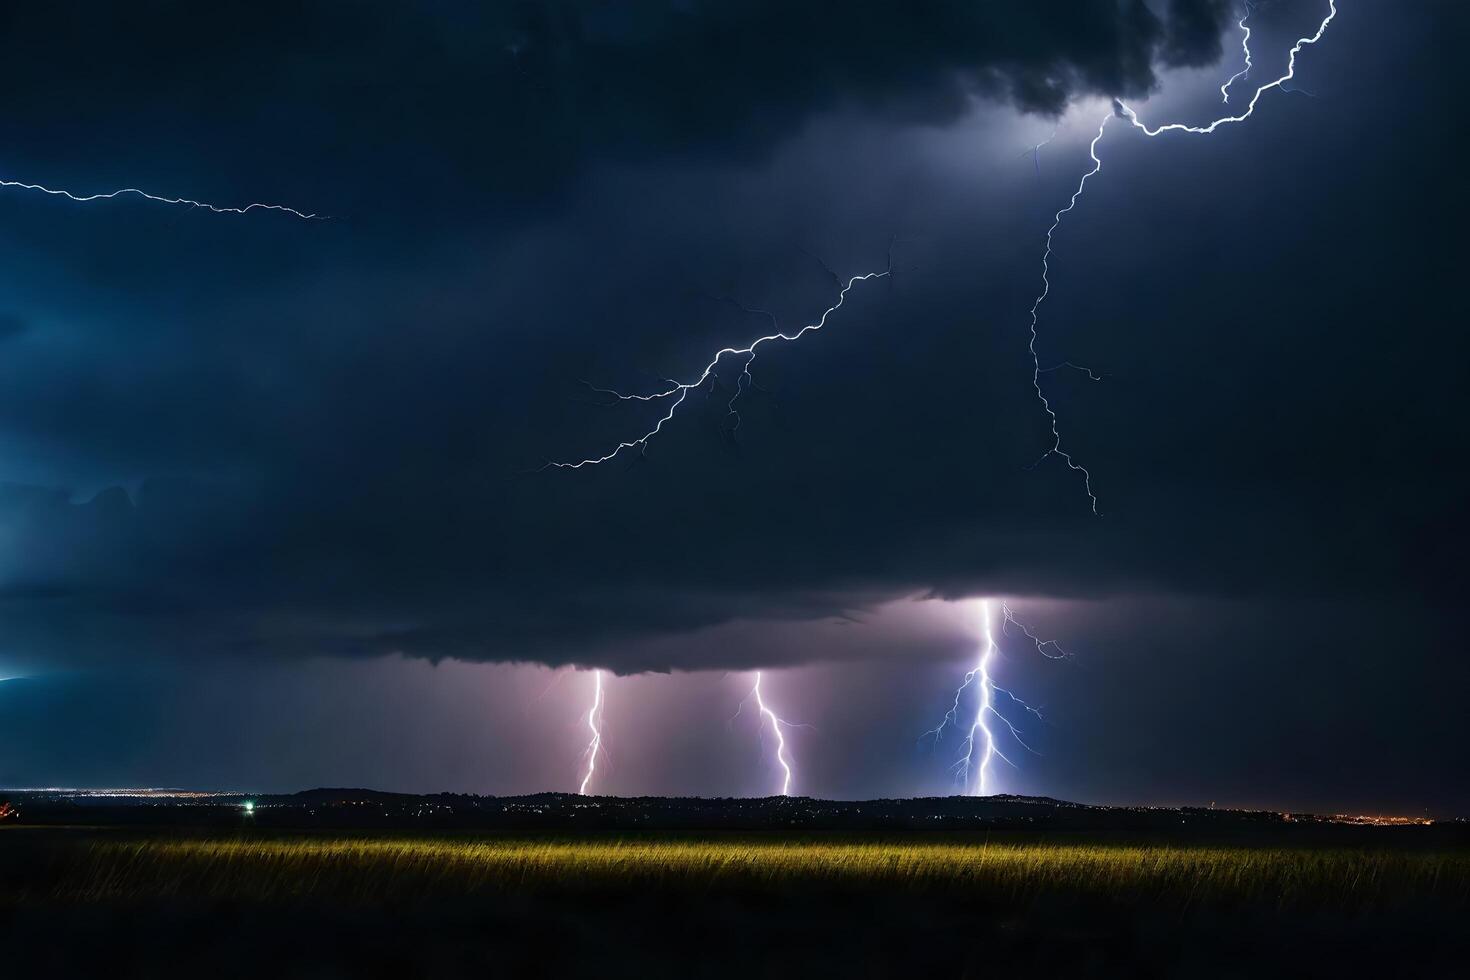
(397, 868)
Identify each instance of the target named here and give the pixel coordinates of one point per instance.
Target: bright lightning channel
(594, 725)
(979, 731)
(979, 749)
(1121, 110)
(133, 191)
(679, 391)
(777, 725)
(1245, 47)
(1250, 108)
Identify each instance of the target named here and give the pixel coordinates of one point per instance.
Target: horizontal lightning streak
(109, 195)
(1070, 366)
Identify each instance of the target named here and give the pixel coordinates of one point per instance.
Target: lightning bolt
(109, 195)
(1035, 151)
(679, 390)
(979, 749)
(1036, 369)
(1245, 46)
(1050, 649)
(979, 738)
(594, 725)
(1121, 110)
(778, 725)
(1250, 108)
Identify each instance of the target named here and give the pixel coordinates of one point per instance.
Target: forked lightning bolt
(1122, 110)
(594, 725)
(133, 191)
(979, 749)
(679, 390)
(1250, 108)
(980, 724)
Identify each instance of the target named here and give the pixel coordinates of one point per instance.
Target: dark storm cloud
(243, 442)
(1194, 31)
(329, 432)
(495, 102)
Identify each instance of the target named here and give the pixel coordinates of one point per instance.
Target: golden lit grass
(373, 869)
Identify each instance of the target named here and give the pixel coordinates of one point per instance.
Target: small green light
(249, 806)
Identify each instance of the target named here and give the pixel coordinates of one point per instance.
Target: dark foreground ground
(349, 883)
(132, 902)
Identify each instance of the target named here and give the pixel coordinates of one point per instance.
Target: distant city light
(249, 806)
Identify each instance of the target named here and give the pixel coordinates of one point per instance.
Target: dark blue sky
(259, 475)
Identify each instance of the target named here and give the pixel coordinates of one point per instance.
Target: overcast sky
(272, 505)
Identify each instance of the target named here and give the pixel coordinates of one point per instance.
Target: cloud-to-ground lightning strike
(133, 191)
(777, 725)
(1121, 110)
(980, 724)
(972, 771)
(594, 725)
(679, 391)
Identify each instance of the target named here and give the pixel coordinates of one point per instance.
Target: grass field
(860, 905)
(376, 868)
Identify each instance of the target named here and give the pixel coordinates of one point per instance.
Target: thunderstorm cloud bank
(262, 439)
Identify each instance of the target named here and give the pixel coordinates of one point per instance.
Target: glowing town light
(679, 391)
(1121, 110)
(767, 715)
(249, 807)
(109, 195)
(594, 725)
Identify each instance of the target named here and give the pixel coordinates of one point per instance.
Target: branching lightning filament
(679, 390)
(1036, 369)
(135, 192)
(979, 748)
(1121, 110)
(1250, 108)
(594, 725)
(971, 774)
(1050, 649)
(1245, 47)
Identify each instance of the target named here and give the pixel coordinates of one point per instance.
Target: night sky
(272, 506)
